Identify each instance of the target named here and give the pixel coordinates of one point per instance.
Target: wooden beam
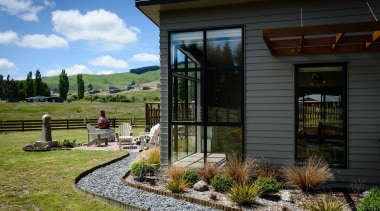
(322, 29)
(269, 45)
(323, 39)
(338, 38)
(375, 37)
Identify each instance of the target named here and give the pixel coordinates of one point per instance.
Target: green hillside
(102, 81)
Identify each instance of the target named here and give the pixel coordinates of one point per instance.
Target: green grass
(44, 180)
(73, 110)
(103, 81)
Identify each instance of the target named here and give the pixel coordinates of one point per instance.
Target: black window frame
(344, 106)
(204, 123)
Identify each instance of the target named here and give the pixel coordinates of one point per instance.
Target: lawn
(44, 180)
(73, 110)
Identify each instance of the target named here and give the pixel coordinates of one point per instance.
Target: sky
(80, 36)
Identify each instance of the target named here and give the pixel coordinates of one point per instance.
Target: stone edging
(101, 198)
(177, 196)
(129, 207)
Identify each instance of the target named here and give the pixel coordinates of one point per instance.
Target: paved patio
(111, 146)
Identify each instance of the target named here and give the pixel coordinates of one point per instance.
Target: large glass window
(321, 112)
(206, 84)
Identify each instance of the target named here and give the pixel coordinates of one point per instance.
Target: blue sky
(84, 36)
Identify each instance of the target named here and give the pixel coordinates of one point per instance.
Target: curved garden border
(126, 206)
(177, 196)
(101, 198)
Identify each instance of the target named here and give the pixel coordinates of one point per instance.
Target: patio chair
(98, 136)
(125, 134)
(153, 136)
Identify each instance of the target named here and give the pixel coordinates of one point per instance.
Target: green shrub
(325, 204)
(221, 183)
(371, 201)
(142, 168)
(244, 193)
(68, 143)
(177, 185)
(191, 176)
(268, 185)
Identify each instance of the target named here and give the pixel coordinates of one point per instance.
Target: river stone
(200, 186)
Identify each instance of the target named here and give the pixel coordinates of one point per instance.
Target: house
(112, 89)
(36, 99)
(44, 99)
(276, 79)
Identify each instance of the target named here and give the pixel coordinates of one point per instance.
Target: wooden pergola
(323, 39)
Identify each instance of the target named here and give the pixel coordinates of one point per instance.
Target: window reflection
(321, 114)
(206, 92)
(224, 96)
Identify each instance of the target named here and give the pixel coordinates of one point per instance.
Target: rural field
(44, 180)
(82, 108)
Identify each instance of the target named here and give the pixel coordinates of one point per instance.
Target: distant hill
(100, 82)
(142, 70)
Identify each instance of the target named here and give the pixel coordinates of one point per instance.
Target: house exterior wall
(269, 80)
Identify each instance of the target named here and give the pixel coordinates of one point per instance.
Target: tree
(10, 88)
(38, 84)
(80, 83)
(45, 90)
(90, 87)
(2, 93)
(29, 88)
(63, 85)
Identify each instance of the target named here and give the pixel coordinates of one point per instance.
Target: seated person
(103, 122)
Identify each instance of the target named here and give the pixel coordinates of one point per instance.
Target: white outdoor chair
(153, 136)
(125, 134)
(98, 136)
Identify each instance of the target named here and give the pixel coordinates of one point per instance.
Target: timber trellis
(64, 124)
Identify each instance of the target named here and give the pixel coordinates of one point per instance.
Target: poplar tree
(29, 88)
(63, 86)
(38, 84)
(80, 83)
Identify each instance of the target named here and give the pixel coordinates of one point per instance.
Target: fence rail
(64, 124)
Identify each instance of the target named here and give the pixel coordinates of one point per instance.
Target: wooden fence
(152, 117)
(152, 113)
(64, 124)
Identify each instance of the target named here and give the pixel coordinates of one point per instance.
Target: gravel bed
(106, 181)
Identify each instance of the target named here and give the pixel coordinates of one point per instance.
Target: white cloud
(49, 3)
(73, 70)
(39, 41)
(42, 41)
(23, 9)
(108, 61)
(145, 57)
(105, 72)
(8, 37)
(96, 25)
(7, 66)
(134, 28)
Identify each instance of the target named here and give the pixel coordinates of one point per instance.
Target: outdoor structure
(46, 137)
(44, 99)
(282, 80)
